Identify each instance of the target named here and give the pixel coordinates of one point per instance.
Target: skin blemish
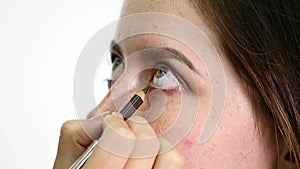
(189, 143)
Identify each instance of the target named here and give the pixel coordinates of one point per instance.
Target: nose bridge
(115, 99)
(133, 79)
(104, 106)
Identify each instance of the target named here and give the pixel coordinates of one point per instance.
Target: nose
(135, 77)
(104, 106)
(113, 101)
(120, 93)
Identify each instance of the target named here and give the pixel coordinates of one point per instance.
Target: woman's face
(185, 85)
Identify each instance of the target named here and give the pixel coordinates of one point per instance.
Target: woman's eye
(116, 63)
(164, 79)
(117, 66)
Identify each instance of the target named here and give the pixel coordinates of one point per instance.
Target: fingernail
(100, 116)
(117, 114)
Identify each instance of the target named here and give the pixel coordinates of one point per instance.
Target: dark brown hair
(261, 40)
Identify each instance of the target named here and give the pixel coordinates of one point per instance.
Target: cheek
(171, 111)
(236, 143)
(169, 105)
(182, 113)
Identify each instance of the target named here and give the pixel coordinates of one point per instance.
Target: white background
(40, 42)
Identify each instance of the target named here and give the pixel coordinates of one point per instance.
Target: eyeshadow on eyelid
(170, 52)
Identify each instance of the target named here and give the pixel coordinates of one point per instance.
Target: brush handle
(83, 158)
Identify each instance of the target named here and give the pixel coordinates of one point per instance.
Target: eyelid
(114, 54)
(176, 54)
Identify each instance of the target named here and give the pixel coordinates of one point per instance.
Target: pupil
(160, 73)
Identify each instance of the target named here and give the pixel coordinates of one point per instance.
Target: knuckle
(153, 143)
(137, 119)
(141, 127)
(124, 131)
(119, 126)
(69, 127)
(146, 134)
(178, 161)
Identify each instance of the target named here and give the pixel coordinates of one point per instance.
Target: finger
(146, 146)
(114, 147)
(171, 159)
(73, 141)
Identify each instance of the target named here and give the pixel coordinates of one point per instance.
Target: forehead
(182, 8)
(193, 38)
(179, 8)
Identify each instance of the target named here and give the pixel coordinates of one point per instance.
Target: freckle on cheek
(238, 107)
(169, 116)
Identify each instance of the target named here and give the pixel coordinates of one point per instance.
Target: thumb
(75, 137)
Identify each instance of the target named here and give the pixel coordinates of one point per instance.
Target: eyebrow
(116, 47)
(175, 54)
(180, 57)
